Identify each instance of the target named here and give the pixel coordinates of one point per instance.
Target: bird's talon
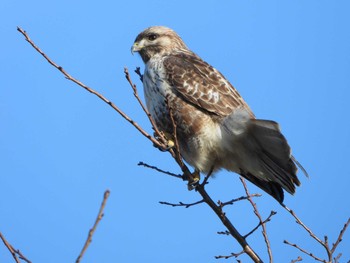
(192, 184)
(170, 144)
(194, 181)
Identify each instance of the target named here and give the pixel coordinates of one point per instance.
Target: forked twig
(268, 219)
(330, 251)
(231, 202)
(13, 251)
(261, 222)
(10, 248)
(304, 251)
(340, 237)
(93, 229)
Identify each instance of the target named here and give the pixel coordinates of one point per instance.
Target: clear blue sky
(61, 147)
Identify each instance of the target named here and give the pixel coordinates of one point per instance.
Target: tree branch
(261, 222)
(93, 229)
(13, 251)
(160, 170)
(304, 251)
(182, 204)
(231, 202)
(100, 96)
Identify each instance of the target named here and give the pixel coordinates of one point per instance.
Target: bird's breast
(198, 133)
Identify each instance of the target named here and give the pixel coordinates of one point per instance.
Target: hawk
(215, 127)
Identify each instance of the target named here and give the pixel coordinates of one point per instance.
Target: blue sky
(61, 147)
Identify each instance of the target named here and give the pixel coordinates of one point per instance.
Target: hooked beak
(135, 47)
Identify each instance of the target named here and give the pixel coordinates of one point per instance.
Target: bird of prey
(215, 127)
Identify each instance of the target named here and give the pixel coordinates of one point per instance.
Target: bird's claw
(169, 144)
(194, 180)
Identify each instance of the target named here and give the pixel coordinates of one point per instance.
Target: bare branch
(324, 243)
(160, 170)
(305, 252)
(297, 260)
(69, 77)
(10, 248)
(261, 222)
(339, 239)
(227, 233)
(230, 256)
(182, 204)
(336, 259)
(13, 251)
(303, 225)
(206, 178)
(231, 202)
(268, 219)
(93, 229)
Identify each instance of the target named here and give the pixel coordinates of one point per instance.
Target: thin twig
(21, 256)
(206, 178)
(297, 259)
(324, 243)
(93, 229)
(261, 222)
(336, 259)
(227, 233)
(160, 170)
(339, 239)
(13, 251)
(268, 219)
(304, 251)
(303, 225)
(10, 248)
(182, 204)
(231, 202)
(136, 95)
(230, 256)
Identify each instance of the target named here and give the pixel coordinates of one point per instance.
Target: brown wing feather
(201, 84)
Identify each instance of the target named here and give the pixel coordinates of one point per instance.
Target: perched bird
(215, 127)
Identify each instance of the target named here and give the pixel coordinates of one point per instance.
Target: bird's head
(157, 40)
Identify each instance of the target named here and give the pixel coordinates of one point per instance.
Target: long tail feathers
(265, 156)
(277, 164)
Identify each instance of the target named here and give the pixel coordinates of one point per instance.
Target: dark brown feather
(202, 85)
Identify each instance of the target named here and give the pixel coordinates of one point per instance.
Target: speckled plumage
(215, 127)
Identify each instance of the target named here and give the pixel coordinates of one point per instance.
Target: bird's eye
(152, 37)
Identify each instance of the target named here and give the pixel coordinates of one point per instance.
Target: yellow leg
(196, 176)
